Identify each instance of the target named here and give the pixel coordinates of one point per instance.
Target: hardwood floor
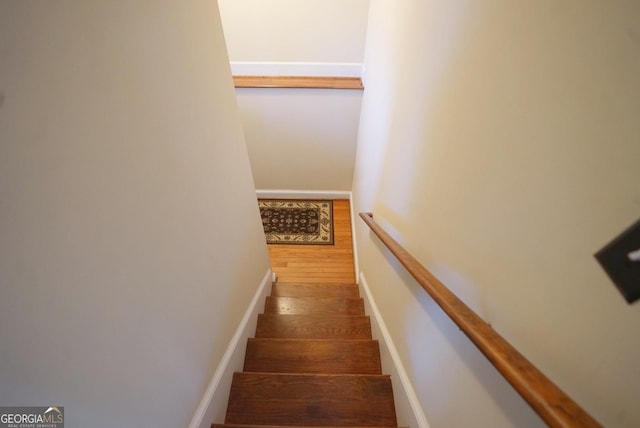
(326, 264)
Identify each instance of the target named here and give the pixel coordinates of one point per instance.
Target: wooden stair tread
(313, 326)
(288, 426)
(311, 399)
(312, 363)
(314, 290)
(312, 356)
(313, 306)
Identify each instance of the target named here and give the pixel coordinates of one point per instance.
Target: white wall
(298, 139)
(302, 139)
(294, 30)
(131, 242)
(500, 142)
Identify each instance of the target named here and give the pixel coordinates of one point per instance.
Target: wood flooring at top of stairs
(326, 264)
(318, 367)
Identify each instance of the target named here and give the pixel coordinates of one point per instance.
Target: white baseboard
(354, 215)
(213, 405)
(313, 69)
(318, 194)
(408, 409)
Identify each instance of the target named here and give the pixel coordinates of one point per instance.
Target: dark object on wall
(620, 258)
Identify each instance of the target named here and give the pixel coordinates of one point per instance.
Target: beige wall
(131, 242)
(500, 142)
(294, 30)
(298, 139)
(301, 139)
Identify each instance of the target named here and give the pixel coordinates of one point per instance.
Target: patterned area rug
(297, 221)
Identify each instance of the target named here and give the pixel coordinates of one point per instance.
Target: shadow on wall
(440, 366)
(301, 139)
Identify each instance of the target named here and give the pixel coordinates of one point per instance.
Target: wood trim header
(305, 82)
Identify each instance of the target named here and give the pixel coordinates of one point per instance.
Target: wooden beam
(307, 82)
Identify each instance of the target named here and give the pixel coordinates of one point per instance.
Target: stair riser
(315, 290)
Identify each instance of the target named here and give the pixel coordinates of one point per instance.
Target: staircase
(312, 363)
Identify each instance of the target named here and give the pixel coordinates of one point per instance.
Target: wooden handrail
(555, 407)
(306, 82)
